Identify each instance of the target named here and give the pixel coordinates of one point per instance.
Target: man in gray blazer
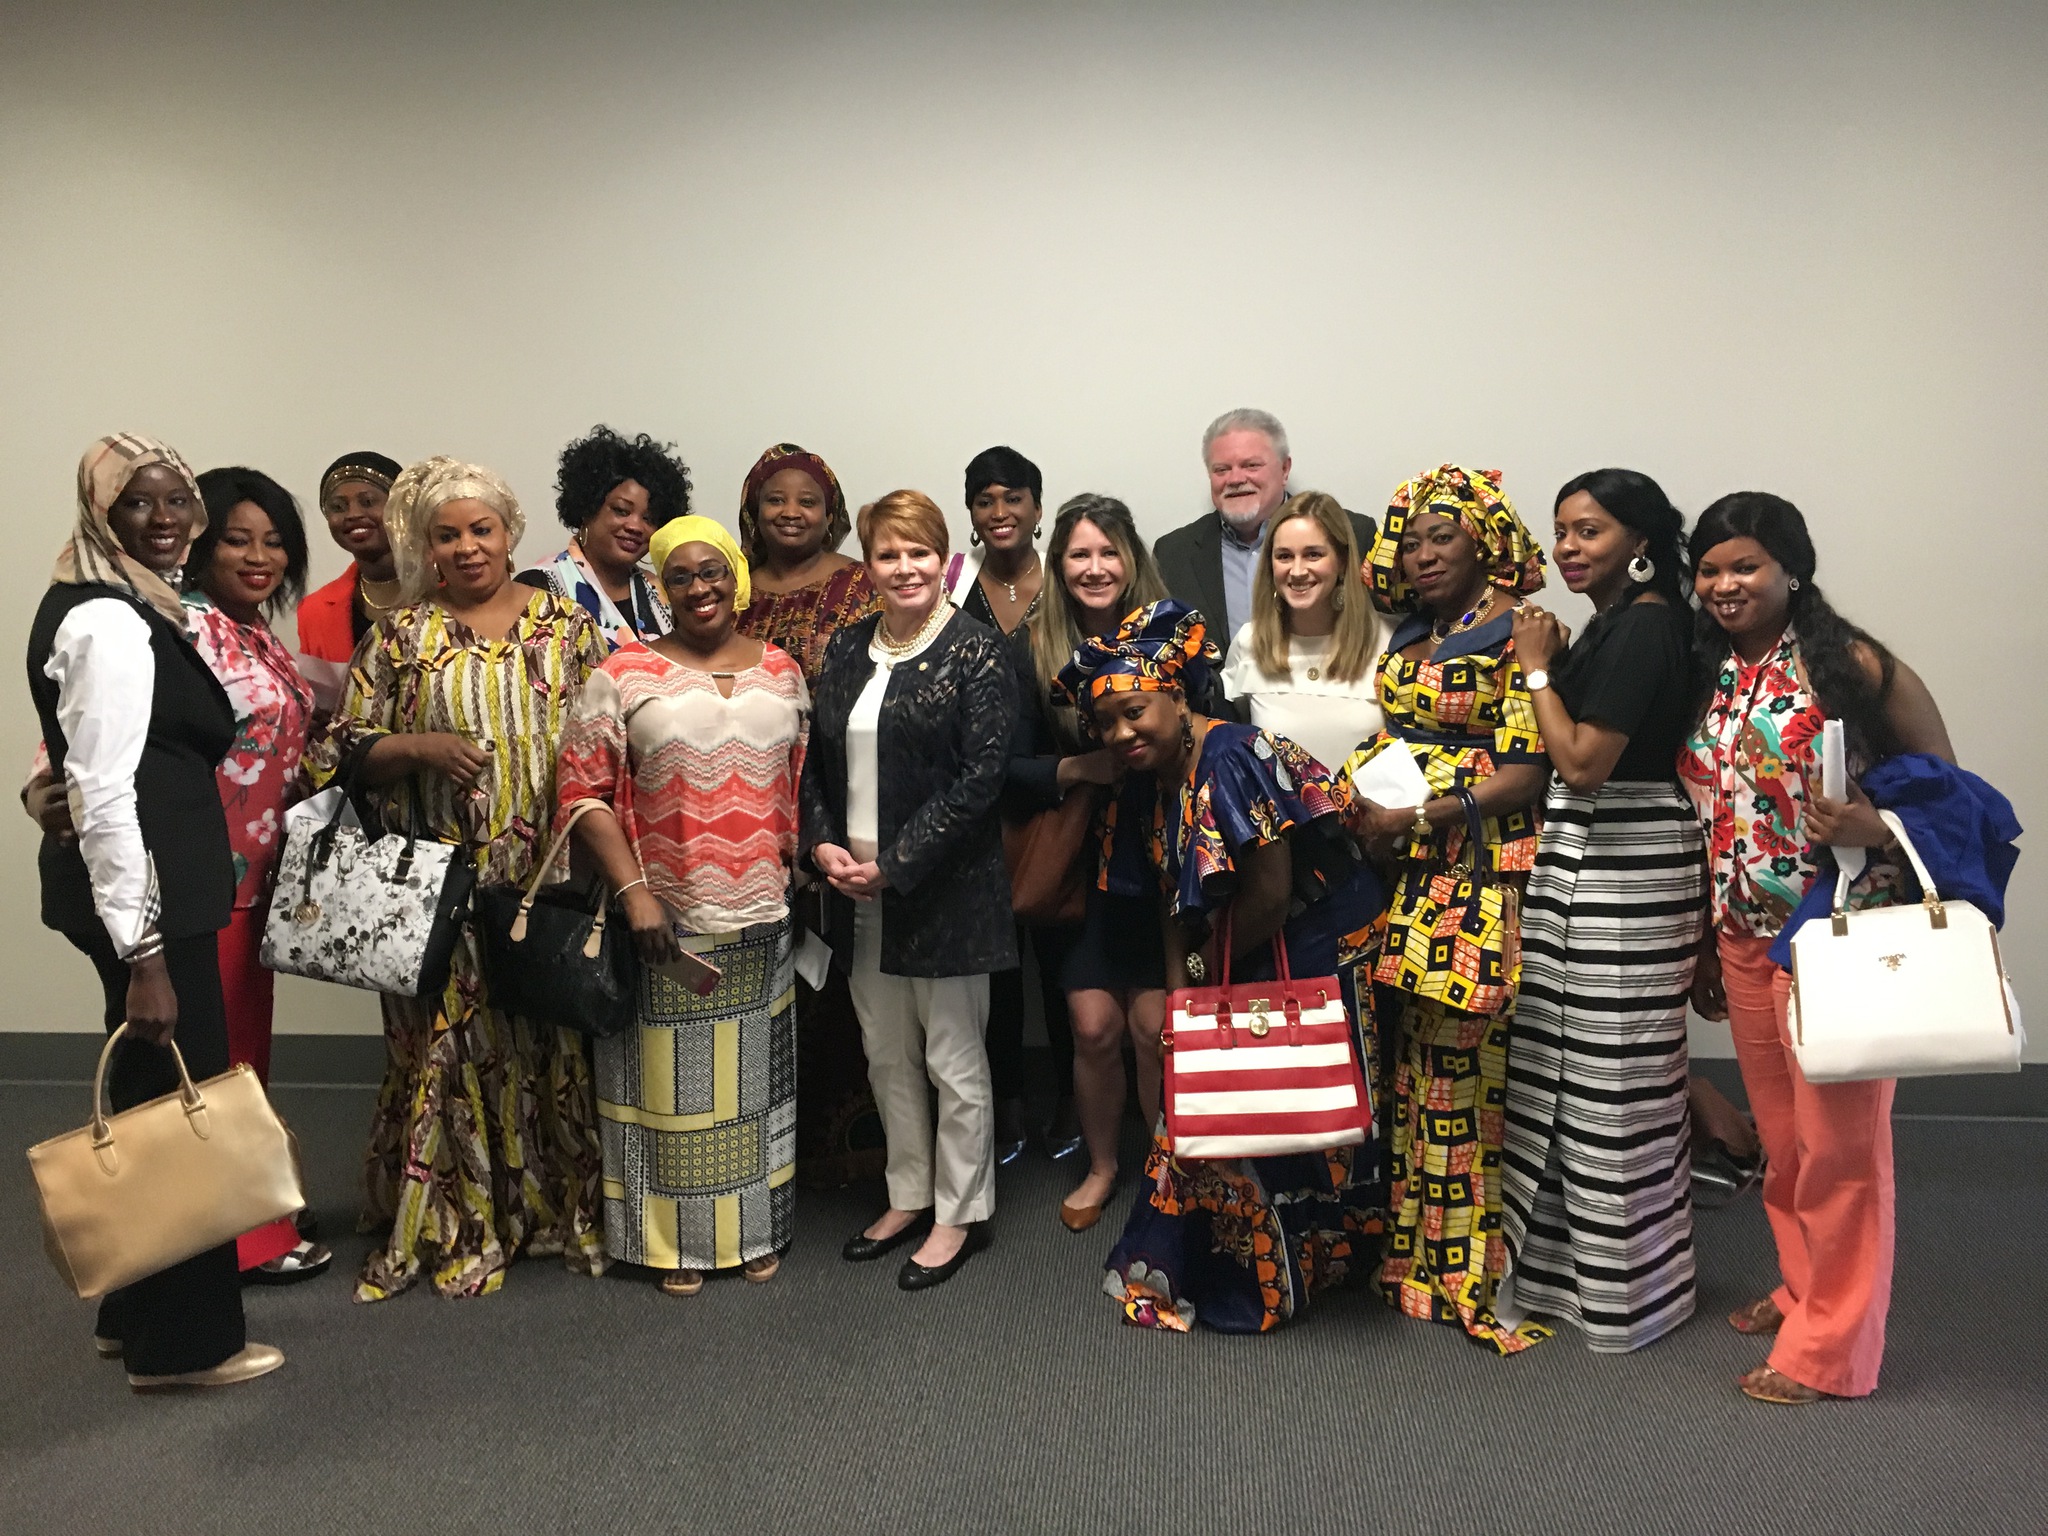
(1209, 562)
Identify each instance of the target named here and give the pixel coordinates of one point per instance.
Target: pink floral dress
(261, 777)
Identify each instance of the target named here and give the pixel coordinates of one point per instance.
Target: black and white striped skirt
(1597, 1175)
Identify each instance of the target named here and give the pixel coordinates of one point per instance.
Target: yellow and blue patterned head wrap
(1473, 499)
(693, 529)
(1162, 647)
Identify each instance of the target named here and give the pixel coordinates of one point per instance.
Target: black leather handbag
(549, 954)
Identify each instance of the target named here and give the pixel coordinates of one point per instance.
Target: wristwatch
(1537, 680)
(1419, 831)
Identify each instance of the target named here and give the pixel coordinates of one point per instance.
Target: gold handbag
(134, 1193)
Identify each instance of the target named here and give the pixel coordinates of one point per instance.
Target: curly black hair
(1826, 639)
(592, 466)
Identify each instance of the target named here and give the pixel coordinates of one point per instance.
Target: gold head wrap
(93, 554)
(1473, 499)
(678, 531)
(419, 492)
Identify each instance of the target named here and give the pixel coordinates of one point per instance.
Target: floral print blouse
(1749, 767)
(262, 776)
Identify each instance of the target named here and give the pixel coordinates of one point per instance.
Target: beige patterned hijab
(93, 554)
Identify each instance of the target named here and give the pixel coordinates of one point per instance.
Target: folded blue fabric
(1963, 829)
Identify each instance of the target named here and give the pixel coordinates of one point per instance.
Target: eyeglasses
(711, 573)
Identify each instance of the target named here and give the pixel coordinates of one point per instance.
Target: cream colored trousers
(922, 1033)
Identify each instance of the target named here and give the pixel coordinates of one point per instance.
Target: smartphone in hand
(694, 973)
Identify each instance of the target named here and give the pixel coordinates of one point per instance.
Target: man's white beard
(1243, 524)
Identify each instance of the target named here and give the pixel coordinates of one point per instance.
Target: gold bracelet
(628, 886)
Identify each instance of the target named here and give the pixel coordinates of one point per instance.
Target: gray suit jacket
(1191, 563)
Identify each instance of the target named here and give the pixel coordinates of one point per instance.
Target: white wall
(1795, 248)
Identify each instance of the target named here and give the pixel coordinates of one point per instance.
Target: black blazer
(944, 744)
(1191, 563)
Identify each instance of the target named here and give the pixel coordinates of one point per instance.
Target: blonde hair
(1056, 632)
(424, 489)
(908, 515)
(1355, 642)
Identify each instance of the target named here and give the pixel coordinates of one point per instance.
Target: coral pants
(1828, 1190)
(248, 993)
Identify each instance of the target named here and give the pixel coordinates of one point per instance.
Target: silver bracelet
(628, 886)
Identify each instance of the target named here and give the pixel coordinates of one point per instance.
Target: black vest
(191, 728)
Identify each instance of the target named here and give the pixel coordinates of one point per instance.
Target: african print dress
(484, 1144)
(838, 1129)
(1240, 1245)
(697, 1106)
(1464, 712)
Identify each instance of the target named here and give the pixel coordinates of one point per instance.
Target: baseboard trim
(327, 1061)
(2021, 1095)
(337, 1061)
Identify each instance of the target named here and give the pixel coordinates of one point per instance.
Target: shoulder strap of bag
(577, 811)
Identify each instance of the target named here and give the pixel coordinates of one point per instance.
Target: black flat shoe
(1061, 1137)
(1010, 1137)
(860, 1248)
(919, 1277)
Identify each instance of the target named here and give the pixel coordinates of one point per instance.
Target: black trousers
(187, 1317)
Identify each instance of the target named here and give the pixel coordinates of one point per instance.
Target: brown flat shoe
(760, 1271)
(254, 1360)
(681, 1282)
(1079, 1218)
(1760, 1316)
(1769, 1386)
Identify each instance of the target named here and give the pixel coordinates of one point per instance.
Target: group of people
(1142, 766)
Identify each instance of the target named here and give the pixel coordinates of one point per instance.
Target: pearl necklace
(895, 650)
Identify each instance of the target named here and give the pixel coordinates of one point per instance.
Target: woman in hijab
(613, 493)
(484, 1144)
(792, 520)
(695, 742)
(1454, 559)
(1247, 840)
(136, 724)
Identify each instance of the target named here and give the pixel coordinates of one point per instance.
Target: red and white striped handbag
(1262, 1069)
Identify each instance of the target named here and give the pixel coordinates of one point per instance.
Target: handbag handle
(103, 1132)
(1930, 898)
(1290, 1005)
(577, 810)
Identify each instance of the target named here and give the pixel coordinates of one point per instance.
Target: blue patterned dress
(1240, 1245)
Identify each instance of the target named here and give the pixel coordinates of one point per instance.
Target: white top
(105, 674)
(1325, 717)
(863, 776)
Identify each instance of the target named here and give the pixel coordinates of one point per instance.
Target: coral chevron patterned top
(705, 786)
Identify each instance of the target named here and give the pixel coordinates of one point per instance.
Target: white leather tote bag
(1906, 991)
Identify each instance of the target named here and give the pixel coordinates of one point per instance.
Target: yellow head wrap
(693, 529)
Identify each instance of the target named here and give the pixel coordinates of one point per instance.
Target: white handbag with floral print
(383, 913)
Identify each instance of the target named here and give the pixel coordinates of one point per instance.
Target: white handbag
(382, 913)
(1905, 991)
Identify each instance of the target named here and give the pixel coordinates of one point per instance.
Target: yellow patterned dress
(1464, 711)
(484, 1144)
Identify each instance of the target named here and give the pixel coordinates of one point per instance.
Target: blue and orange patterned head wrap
(1163, 647)
(1473, 499)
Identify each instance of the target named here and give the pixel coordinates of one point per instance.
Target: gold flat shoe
(254, 1360)
(682, 1282)
(760, 1271)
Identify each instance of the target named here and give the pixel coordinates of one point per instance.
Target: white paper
(319, 809)
(1834, 783)
(1391, 779)
(813, 959)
